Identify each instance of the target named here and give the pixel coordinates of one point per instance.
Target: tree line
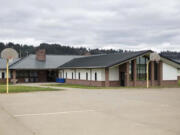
(58, 49)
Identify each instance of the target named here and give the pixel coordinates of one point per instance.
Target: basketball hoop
(8, 54)
(154, 57)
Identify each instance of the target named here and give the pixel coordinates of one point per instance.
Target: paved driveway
(91, 112)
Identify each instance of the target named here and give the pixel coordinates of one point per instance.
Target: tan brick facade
(41, 55)
(107, 84)
(85, 82)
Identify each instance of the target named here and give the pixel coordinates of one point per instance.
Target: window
(33, 74)
(95, 76)
(131, 70)
(79, 75)
(22, 74)
(155, 71)
(60, 75)
(11, 74)
(72, 75)
(66, 75)
(86, 75)
(141, 68)
(3, 75)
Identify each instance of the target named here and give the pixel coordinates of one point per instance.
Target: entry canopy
(9, 53)
(154, 57)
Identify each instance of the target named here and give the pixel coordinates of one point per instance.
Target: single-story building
(38, 67)
(121, 69)
(3, 69)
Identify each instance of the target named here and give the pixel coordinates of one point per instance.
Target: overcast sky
(118, 24)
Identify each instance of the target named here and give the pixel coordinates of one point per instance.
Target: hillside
(24, 50)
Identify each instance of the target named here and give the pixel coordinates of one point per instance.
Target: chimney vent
(41, 55)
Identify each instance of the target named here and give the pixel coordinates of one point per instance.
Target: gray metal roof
(177, 61)
(3, 62)
(106, 60)
(51, 62)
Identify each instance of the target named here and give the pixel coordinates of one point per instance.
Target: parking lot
(91, 112)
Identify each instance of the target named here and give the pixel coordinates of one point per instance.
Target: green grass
(75, 86)
(179, 82)
(86, 87)
(96, 87)
(15, 89)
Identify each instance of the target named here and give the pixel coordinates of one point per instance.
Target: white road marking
(53, 113)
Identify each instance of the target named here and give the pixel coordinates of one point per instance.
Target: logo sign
(9, 53)
(154, 57)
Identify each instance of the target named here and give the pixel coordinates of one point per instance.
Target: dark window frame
(155, 71)
(72, 75)
(86, 75)
(95, 76)
(131, 70)
(141, 66)
(66, 75)
(79, 76)
(3, 75)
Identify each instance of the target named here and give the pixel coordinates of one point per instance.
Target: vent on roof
(41, 55)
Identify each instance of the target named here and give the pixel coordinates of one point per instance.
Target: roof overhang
(170, 62)
(135, 57)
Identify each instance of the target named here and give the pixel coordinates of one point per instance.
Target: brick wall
(41, 55)
(85, 82)
(114, 83)
(2, 80)
(124, 68)
(107, 84)
(155, 83)
(42, 76)
(169, 83)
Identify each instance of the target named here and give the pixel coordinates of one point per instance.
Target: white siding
(100, 74)
(82, 74)
(1, 71)
(91, 74)
(114, 73)
(169, 72)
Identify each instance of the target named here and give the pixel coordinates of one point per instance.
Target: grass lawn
(179, 82)
(75, 86)
(85, 87)
(14, 89)
(96, 87)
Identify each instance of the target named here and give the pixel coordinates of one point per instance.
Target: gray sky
(118, 24)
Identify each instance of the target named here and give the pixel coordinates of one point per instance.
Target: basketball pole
(7, 76)
(147, 73)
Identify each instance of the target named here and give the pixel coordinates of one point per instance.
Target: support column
(160, 68)
(134, 73)
(152, 73)
(107, 84)
(14, 80)
(127, 74)
(178, 78)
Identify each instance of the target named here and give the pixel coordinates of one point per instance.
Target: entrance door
(122, 78)
(51, 76)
